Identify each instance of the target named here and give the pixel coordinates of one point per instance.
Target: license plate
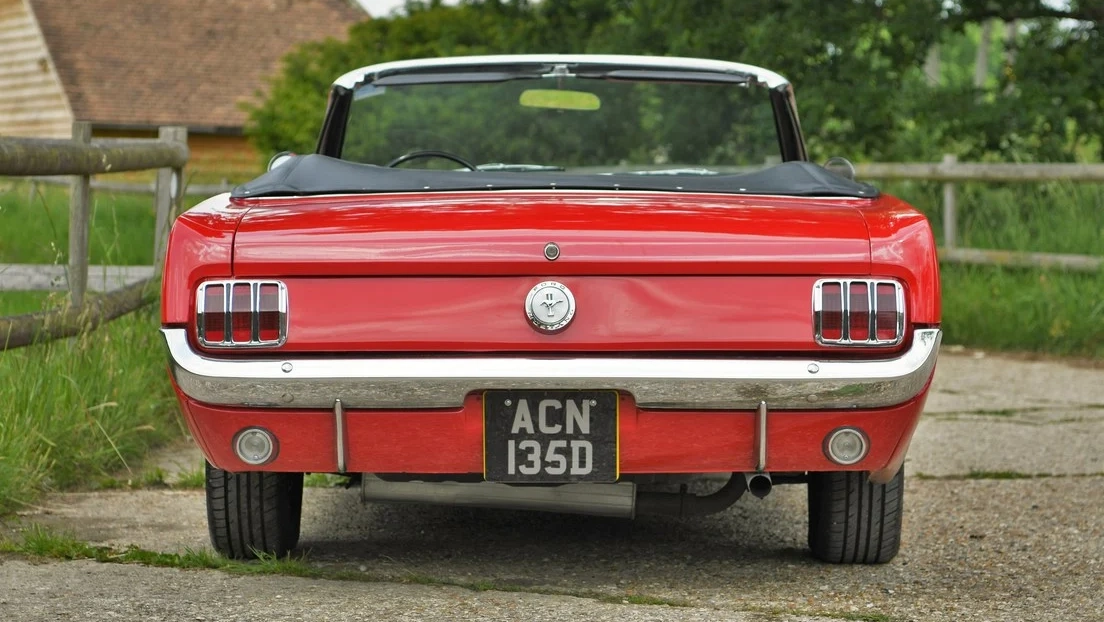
(550, 436)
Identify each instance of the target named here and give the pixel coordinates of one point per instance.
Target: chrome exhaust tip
(759, 484)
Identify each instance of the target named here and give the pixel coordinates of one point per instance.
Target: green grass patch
(77, 410)
(978, 474)
(195, 478)
(1046, 311)
(18, 303)
(325, 480)
(34, 228)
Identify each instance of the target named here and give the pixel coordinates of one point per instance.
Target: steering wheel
(430, 153)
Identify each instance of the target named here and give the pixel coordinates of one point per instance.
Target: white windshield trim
(357, 76)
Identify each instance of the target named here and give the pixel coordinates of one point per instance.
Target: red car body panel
(650, 441)
(599, 233)
(629, 313)
(368, 273)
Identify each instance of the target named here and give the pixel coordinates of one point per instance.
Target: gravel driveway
(981, 541)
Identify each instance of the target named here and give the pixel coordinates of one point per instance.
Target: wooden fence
(83, 157)
(950, 170)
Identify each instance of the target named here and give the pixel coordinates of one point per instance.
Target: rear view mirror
(559, 99)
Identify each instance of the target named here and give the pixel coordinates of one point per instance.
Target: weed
(324, 480)
(977, 474)
(76, 410)
(196, 478)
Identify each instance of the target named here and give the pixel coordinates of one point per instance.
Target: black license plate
(550, 436)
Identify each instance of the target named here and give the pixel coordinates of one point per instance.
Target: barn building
(131, 66)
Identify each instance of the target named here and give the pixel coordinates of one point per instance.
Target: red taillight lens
(887, 312)
(269, 312)
(858, 306)
(214, 314)
(858, 312)
(831, 315)
(241, 313)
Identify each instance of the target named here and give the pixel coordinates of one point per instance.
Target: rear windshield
(567, 123)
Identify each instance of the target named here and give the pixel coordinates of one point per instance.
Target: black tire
(853, 521)
(251, 513)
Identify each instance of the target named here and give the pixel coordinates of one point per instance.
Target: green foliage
(292, 114)
(857, 66)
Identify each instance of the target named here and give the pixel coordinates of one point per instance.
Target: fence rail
(83, 157)
(950, 170)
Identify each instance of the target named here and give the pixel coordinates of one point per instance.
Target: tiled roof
(178, 62)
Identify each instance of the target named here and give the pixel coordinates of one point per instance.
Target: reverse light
(858, 312)
(255, 446)
(241, 314)
(846, 446)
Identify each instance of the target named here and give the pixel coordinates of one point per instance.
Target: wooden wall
(213, 157)
(32, 102)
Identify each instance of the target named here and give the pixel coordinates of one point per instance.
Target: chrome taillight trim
(255, 340)
(872, 304)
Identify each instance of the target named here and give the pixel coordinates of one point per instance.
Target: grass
(1050, 312)
(76, 410)
(35, 228)
(1035, 310)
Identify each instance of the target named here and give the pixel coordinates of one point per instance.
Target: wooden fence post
(78, 223)
(950, 227)
(167, 196)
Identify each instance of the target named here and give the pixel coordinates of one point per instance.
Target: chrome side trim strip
(339, 434)
(660, 383)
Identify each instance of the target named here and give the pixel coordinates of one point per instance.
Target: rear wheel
(854, 521)
(251, 513)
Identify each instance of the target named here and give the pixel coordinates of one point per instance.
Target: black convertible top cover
(318, 174)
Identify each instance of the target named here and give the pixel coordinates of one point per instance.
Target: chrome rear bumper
(444, 382)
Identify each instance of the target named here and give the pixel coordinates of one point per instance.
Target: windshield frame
(791, 141)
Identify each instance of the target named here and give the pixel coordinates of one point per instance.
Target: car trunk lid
(505, 233)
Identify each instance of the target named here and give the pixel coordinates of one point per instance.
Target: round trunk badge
(550, 306)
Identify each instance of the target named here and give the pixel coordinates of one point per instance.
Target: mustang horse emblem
(550, 306)
(550, 301)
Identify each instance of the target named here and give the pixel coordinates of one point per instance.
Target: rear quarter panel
(902, 246)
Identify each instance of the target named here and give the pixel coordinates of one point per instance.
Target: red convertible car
(556, 283)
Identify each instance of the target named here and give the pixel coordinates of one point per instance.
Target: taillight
(858, 312)
(241, 313)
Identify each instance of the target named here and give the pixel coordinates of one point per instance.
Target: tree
(857, 66)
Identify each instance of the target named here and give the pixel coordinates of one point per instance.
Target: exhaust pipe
(759, 484)
(619, 500)
(682, 505)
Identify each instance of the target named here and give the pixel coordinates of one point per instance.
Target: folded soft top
(318, 174)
